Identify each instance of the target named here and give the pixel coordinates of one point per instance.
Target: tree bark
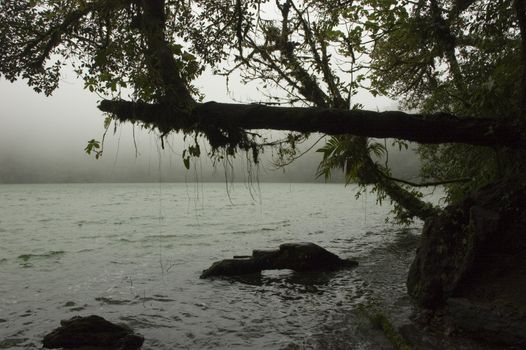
(161, 58)
(421, 128)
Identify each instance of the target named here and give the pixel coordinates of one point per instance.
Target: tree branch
(42, 45)
(430, 129)
(427, 184)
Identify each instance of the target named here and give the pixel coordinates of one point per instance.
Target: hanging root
(233, 139)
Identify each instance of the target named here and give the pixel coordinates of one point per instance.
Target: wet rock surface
(92, 332)
(294, 256)
(471, 264)
(492, 323)
(476, 237)
(445, 254)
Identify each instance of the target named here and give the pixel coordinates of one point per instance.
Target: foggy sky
(42, 139)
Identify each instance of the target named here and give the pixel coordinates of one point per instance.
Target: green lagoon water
(133, 253)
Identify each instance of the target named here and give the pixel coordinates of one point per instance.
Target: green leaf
(92, 144)
(188, 56)
(107, 122)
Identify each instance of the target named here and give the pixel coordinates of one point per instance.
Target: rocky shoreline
(469, 273)
(467, 281)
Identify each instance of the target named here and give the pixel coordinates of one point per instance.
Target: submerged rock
(293, 256)
(94, 332)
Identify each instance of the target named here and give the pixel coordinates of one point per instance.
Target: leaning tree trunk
(421, 128)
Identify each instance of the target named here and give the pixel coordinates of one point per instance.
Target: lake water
(133, 253)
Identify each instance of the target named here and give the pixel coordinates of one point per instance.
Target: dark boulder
(443, 257)
(482, 235)
(94, 332)
(293, 256)
(471, 263)
(307, 257)
(233, 267)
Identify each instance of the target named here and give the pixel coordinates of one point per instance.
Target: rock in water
(92, 331)
(293, 256)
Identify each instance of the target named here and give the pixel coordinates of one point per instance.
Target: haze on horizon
(42, 140)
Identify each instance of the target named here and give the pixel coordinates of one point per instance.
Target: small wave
(141, 322)
(85, 250)
(281, 222)
(74, 307)
(343, 240)
(110, 301)
(160, 236)
(251, 231)
(118, 262)
(109, 204)
(200, 244)
(46, 220)
(90, 222)
(12, 342)
(78, 308)
(54, 253)
(241, 232)
(156, 297)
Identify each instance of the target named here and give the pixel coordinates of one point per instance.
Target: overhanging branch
(430, 129)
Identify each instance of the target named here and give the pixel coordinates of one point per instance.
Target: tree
(436, 55)
(471, 67)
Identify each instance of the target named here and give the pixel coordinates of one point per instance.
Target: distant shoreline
(321, 182)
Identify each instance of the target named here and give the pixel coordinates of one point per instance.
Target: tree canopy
(457, 63)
